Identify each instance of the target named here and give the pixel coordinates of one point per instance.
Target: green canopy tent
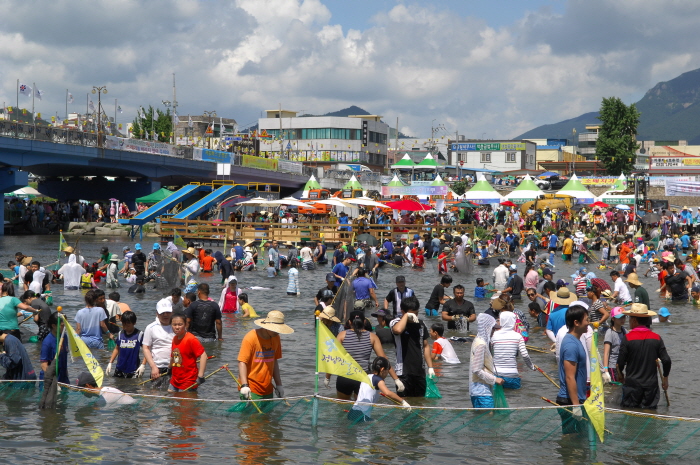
(155, 197)
(353, 183)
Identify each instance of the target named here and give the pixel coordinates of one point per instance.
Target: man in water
(396, 295)
(572, 369)
(330, 285)
(636, 362)
(621, 293)
(412, 349)
(204, 316)
(365, 291)
(158, 341)
(458, 309)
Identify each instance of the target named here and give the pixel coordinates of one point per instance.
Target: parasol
(408, 205)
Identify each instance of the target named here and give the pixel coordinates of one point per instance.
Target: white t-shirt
(159, 339)
(114, 397)
(71, 274)
(500, 277)
(623, 292)
(447, 353)
(306, 254)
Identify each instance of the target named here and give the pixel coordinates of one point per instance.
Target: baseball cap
(513, 267)
(663, 311)
(381, 312)
(125, 248)
(561, 282)
(137, 246)
(617, 312)
(330, 277)
(547, 271)
(582, 270)
(156, 246)
(164, 306)
(85, 378)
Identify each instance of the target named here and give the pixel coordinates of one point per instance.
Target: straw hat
(190, 250)
(288, 244)
(639, 310)
(564, 296)
(634, 279)
(274, 321)
(26, 261)
(328, 313)
(607, 293)
(247, 249)
(249, 243)
(69, 249)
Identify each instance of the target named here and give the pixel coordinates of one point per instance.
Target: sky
(480, 68)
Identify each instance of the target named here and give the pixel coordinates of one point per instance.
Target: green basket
(431, 389)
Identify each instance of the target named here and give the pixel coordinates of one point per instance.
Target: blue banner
(215, 156)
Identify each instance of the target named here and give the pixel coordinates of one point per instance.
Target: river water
(154, 435)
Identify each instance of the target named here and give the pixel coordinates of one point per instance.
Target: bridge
(71, 166)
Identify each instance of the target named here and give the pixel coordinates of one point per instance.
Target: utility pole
(99, 91)
(281, 138)
(573, 143)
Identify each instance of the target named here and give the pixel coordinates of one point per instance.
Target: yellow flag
(595, 404)
(333, 359)
(78, 348)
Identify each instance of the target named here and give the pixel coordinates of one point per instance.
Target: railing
(199, 230)
(360, 175)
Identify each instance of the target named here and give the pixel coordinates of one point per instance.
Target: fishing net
(499, 397)
(631, 437)
(431, 389)
(344, 301)
(171, 272)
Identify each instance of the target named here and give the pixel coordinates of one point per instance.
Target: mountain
(669, 111)
(353, 110)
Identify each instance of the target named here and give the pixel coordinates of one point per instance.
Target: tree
(616, 145)
(460, 187)
(162, 125)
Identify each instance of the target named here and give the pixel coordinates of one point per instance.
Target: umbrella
(259, 202)
(289, 201)
(409, 205)
(547, 174)
(466, 204)
(599, 204)
(368, 238)
(508, 203)
(622, 207)
(335, 203)
(600, 284)
(366, 202)
(650, 218)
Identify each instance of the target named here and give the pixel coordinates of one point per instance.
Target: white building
(504, 156)
(324, 139)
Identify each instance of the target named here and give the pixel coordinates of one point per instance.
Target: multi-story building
(587, 141)
(498, 155)
(324, 140)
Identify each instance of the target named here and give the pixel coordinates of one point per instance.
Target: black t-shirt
(44, 311)
(203, 314)
(398, 260)
(391, 298)
(452, 308)
(319, 294)
(676, 284)
(385, 335)
(531, 254)
(139, 262)
(516, 282)
(137, 289)
(338, 255)
(435, 297)
(411, 348)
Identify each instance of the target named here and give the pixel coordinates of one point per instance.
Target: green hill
(669, 111)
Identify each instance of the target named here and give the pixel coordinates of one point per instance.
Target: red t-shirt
(99, 275)
(442, 264)
(207, 263)
(183, 361)
(418, 260)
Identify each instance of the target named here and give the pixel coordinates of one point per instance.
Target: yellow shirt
(251, 311)
(568, 246)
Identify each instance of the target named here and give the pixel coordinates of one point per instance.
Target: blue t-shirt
(553, 239)
(572, 350)
(48, 353)
(90, 330)
(129, 347)
(389, 247)
(479, 292)
(240, 253)
(271, 271)
(557, 319)
(362, 287)
(685, 241)
(340, 270)
(484, 253)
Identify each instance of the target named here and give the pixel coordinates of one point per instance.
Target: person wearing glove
(413, 351)
(458, 311)
(611, 344)
(186, 373)
(369, 395)
(256, 372)
(572, 369)
(128, 346)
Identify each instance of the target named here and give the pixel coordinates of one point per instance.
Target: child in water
(369, 394)
(480, 289)
(186, 349)
(271, 271)
(247, 310)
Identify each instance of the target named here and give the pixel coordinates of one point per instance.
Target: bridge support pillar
(98, 188)
(10, 180)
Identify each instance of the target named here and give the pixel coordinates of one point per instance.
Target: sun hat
(328, 313)
(190, 250)
(274, 321)
(164, 306)
(156, 246)
(617, 312)
(114, 258)
(137, 246)
(640, 310)
(249, 243)
(69, 249)
(247, 249)
(663, 311)
(288, 244)
(26, 261)
(564, 297)
(381, 312)
(633, 278)
(607, 293)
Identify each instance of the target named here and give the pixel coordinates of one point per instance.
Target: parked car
(552, 183)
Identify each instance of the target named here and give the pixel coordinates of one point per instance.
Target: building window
(510, 157)
(485, 157)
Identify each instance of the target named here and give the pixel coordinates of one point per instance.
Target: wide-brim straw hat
(328, 313)
(26, 261)
(607, 293)
(564, 296)
(274, 321)
(69, 249)
(633, 278)
(288, 244)
(190, 250)
(639, 310)
(249, 243)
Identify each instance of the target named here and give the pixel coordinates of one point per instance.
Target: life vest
(86, 281)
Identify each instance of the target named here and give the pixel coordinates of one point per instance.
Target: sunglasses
(531, 295)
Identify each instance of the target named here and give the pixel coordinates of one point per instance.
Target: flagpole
(115, 113)
(33, 114)
(66, 103)
(314, 417)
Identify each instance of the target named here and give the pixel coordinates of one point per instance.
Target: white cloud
(416, 61)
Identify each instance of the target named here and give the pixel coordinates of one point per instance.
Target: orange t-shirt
(260, 355)
(207, 263)
(624, 253)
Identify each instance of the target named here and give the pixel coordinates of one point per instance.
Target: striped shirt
(506, 345)
(359, 349)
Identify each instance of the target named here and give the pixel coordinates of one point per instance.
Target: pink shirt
(532, 279)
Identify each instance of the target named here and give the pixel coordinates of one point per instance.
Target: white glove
(245, 393)
(109, 368)
(606, 378)
(399, 385)
(577, 413)
(431, 372)
(327, 382)
(412, 317)
(406, 405)
(140, 370)
(279, 389)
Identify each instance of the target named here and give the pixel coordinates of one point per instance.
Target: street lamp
(211, 115)
(167, 104)
(573, 143)
(99, 90)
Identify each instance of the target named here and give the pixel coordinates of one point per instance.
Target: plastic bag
(111, 345)
(499, 397)
(431, 389)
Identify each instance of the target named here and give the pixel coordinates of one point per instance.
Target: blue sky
(500, 67)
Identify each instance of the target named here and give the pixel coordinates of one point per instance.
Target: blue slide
(202, 205)
(164, 205)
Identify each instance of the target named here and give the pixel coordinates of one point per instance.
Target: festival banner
(597, 180)
(289, 166)
(332, 357)
(260, 163)
(138, 145)
(595, 404)
(78, 348)
(682, 188)
(179, 241)
(215, 156)
(414, 190)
